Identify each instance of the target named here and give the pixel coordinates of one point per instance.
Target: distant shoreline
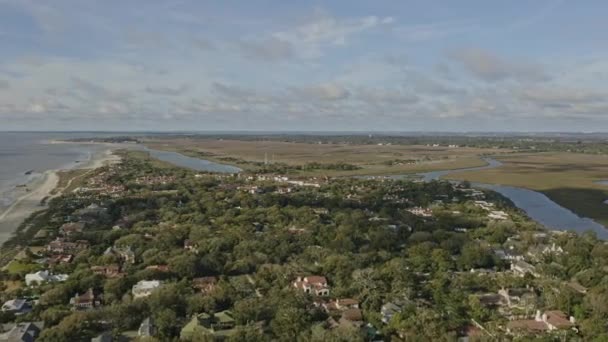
(29, 203)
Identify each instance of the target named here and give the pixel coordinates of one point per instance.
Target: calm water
(22, 152)
(536, 205)
(197, 164)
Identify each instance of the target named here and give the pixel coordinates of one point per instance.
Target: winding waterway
(535, 204)
(197, 164)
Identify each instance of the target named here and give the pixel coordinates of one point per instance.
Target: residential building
(205, 284)
(125, 254)
(220, 324)
(17, 306)
(147, 328)
(25, 331)
(41, 277)
(86, 301)
(70, 228)
(108, 271)
(389, 310)
(144, 288)
(521, 268)
(316, 285)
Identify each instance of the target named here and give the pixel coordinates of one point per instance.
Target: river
(536, 205)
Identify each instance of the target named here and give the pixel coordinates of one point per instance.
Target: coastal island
(144, 249)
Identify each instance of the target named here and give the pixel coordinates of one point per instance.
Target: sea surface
(21, 153)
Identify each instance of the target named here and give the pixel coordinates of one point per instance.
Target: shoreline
(30, 202)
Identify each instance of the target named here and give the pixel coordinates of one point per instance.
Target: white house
(145, 288)
(44, 277)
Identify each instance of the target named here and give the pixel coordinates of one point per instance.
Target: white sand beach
(41, 188)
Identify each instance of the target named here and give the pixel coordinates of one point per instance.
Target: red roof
(315, 280)
(558, 319)
(527, 324)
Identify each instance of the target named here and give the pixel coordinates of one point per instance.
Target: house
(526, 326)
(25, 331)
(109, 271)
(205, 284)
(159, 268)
(389, 310)
(548, 321)
(498, 215)
(190, 246)
(144, 288)
(553, 249)
(92, 211)
(17, 306)
(557, 320)
(522, 268)
(147, 327)
(490, 300)
(62, 246)
(59, 259)
(219, 324)
(522, 298)
(341, 304)
(352, 317)
(44, 277)
(316, 285)
(125, 254)
(87, 301)
(70, 228)
(422, 212)
(508, 254)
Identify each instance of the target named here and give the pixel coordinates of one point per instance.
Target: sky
(276, 65)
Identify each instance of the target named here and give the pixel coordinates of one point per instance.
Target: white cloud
(310, 38)
(490, 67)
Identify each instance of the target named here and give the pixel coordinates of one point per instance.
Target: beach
(40, 188)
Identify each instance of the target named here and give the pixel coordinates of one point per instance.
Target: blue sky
(386, 65)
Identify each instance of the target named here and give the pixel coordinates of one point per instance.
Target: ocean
(21, 153)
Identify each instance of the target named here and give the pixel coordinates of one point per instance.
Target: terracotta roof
(353, 315)
(316, 280)
(527, 324)
(558, 319)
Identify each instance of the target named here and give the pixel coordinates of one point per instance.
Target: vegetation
(364, 236)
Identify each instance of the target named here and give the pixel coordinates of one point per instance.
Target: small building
(144, 288)
(86, 301)
(70, 228)
(125, 254)
(548, 321)
(25, 331)
(62, 246)
(108, 271)
(190, 246)
(389, 310)
(316, 285)
(41, 277)
(147, 328)
(220, 324)
(522, 298)
(521, 268)
(205, 285)
(17, 306)
(158, 268)
(341, 304)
